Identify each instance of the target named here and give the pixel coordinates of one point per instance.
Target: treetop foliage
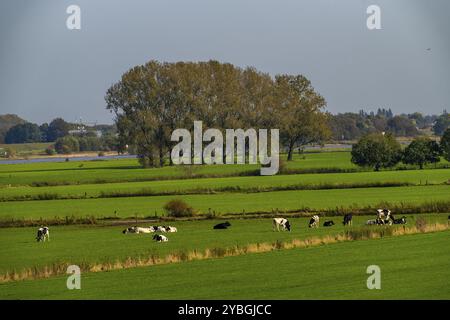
(152, 100)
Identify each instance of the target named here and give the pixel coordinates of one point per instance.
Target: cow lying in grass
(328, 223)
(160, 238)
(402, 220)
(138, 230)
(223, 225)
(314, 221)
(43, 234)
(150, 229)
(384, 216)
(281, 222)
(166, 229)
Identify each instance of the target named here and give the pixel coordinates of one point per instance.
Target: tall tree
(299, 112)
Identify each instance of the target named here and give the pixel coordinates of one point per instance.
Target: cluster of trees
(7, 121)
(350, 126)
(81, 143)
(383, 151)
(27, 132)
(152, 100)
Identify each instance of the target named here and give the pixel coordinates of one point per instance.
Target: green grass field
(412, 267)
(436, 176)
(326, 271)
(27, 149)
(224, 202)
(68, 244)
(77, 172)
(103, 171)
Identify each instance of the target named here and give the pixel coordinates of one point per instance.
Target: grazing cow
(281, 222)
(402, 220)
(328, 223)
(371, 222)
(314, 222)
(383, 216)
(171, 229)
(223, 225)
(348, 219)
(160, 238)
(43, 234)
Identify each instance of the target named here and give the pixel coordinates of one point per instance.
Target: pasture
(127, 170)
(68, 244)
(120, 191)
(241, 184)
(336, 271)
(222, 203)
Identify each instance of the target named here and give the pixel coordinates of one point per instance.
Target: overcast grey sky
(47, 71)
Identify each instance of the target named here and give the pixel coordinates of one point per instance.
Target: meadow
(128, 170)
(114, 194)
(226, 203)
(107, 244)
(238, 184)
(412, 267)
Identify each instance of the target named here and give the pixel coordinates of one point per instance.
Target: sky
(49, 71)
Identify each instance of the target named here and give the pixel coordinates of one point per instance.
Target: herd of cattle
(384, 217)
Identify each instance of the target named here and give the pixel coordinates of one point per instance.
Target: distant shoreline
(72, 157)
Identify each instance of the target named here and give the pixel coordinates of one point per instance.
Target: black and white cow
(161, 229)
(223, 225)
(383, 216)
(328, 223)
(138, 230)
(348, 219)
(314, 221)
(281, 222)
(402, 220)
(160, 238)
(371, 222)
(43, 234)
(170, 229)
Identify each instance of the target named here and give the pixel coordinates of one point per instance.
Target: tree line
(383, 151)
(59, 132)
(351, 126)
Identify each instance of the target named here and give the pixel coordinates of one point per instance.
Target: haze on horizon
(48, 71)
